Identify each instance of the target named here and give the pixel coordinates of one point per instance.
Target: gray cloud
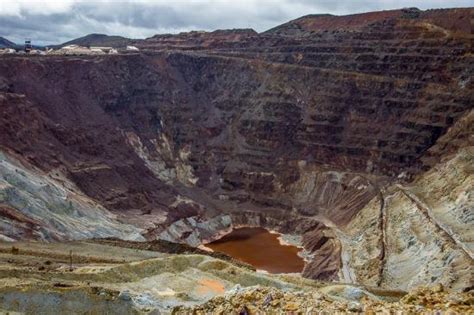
(50, 22)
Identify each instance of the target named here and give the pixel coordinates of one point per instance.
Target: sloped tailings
(426, 233)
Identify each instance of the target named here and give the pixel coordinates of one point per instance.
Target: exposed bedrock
(48, 207)
(419, 232)
(333, 129)
(421, 242)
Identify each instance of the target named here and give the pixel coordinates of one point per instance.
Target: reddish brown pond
(261, 249)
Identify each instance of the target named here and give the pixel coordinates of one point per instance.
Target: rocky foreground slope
(353, 133)
(119, 278)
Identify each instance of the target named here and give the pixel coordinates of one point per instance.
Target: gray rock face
(426, 235)
(194, 232)
(40, 206)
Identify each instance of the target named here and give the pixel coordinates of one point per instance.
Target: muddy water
(261, 249)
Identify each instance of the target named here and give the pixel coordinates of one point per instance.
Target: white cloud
(43, 7)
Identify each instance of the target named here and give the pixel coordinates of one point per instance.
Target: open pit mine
(326, 164)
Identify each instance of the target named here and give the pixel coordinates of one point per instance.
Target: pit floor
(261, 249)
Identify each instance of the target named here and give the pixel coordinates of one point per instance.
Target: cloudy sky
(56, 21)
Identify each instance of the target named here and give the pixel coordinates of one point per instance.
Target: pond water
(261, 249)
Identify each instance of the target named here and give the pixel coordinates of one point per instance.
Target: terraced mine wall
(302, 127)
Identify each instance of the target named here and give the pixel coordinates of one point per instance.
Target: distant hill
(324, 22)
(99, 40)
(5, 43)
(454, 20)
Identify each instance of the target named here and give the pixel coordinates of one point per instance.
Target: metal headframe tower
(28, 46)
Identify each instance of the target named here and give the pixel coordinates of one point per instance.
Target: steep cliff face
(308, 122)
(419, 232)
